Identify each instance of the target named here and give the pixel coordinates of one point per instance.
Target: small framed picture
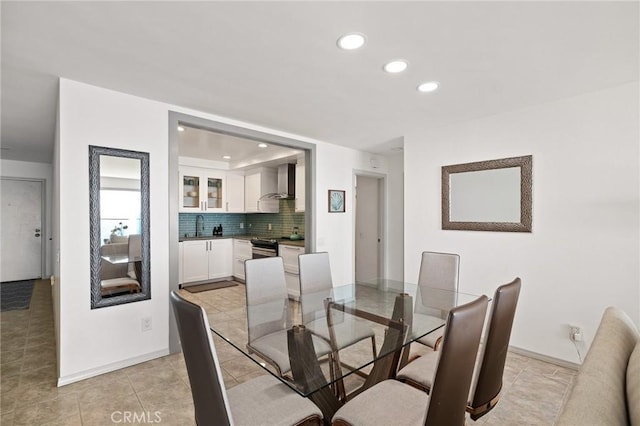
(336, 201)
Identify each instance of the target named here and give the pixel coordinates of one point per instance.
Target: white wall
(583, 253)
(94, 341)
(30, 170)
(395, 218)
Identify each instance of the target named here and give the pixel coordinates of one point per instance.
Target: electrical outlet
(241, 225)
(146, 324)
(269, 228)
(575, 333)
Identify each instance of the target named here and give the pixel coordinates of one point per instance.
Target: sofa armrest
(598, 396)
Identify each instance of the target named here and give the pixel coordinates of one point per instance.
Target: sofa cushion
(633, 386)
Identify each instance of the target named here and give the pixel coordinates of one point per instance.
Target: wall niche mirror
(490, 195)
(119, 220)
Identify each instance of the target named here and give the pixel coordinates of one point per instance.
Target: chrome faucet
(199, 225)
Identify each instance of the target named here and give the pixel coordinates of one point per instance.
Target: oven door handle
(264, 252)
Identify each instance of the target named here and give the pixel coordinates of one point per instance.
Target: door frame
(43, 217)
(382, 219)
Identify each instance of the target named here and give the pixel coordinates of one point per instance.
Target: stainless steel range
(263, 247)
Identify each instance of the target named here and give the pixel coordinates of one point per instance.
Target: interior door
(367, 228)
(21, 227)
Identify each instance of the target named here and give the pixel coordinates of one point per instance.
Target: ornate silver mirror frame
(490, 195)
(141, 271)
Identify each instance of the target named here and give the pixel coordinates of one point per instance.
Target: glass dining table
(398, 313)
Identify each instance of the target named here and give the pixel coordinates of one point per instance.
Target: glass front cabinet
(201, 190)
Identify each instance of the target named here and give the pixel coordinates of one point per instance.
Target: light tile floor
(158, 391)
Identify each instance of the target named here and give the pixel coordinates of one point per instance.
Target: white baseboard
(545, 358)
(67, 380)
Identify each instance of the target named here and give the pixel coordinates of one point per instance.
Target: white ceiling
(276, 63)
(206, 145)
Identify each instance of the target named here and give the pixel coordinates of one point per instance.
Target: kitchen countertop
(283, 241)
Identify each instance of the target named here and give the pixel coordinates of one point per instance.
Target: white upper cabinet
(202, 190)
(235, 193)
(257, 183)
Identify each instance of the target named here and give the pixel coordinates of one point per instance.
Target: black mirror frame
(97, 301)
(526, 165)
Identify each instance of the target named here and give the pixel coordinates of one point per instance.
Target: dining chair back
(267, 297)
(135, 251)
(135, 246)
(203, 368)
(315, 284)
(437, 271)
(440, 271)
(448, 398)
(488, 382)
(269, 314)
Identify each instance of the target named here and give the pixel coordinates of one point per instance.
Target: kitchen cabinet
(300, 185)
(241, 252)
(206, 259)
(258, 182)
(202, 190)
(289, 256)
(235, 193)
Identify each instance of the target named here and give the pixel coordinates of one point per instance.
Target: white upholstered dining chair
(268, 313)
(315, 286)
(439, 271)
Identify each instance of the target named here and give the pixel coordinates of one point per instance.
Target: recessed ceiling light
(396, 66)
(351, 41)
(262, 145)
(226, 157)
(180, 129)
(429, 86)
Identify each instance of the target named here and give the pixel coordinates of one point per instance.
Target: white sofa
(607, 388)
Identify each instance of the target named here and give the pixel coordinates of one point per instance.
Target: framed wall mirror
(490, 195)
(119, 226)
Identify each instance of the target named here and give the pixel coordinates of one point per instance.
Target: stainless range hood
(286, 184)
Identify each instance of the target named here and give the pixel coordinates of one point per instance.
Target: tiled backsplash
(230, 223)
(254, 223)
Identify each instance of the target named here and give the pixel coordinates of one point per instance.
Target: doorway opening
(369, 244)
(21, 252)
(182, 188)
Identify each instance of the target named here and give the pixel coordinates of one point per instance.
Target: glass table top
(326, 337)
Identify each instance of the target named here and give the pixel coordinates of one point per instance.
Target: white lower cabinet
(241, 252)
(221, 258)
(289, 256)
(206, 260)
